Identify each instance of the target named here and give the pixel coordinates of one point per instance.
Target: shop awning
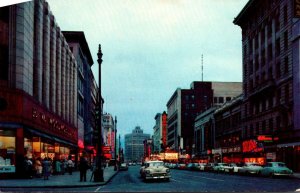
(288, 144)
(40, 134)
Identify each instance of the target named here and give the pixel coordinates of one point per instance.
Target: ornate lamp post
(115, 168)
(98, 173)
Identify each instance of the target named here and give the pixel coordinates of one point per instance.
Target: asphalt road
(195, 181)
(187, 181)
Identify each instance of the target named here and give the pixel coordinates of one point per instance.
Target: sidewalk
(59, 181)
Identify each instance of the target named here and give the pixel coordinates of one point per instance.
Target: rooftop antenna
(202, 66)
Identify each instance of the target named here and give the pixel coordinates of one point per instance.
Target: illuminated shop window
(7, 151)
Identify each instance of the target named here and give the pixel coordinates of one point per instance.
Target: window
(263, 127)
(270, 30)
(4, 49)
(193, 106)
(277, 23)
(286, 65)
(263, 57)
(278, 72)
(286, 40)
(270, 125)
(80, 106)
(215, 100)
(257, 129)
(221, 100)
(278, 97)
(270, 52)
(270, 73)
(285, 14)
(286, 92)
(278, 122)
(8, 149)
(256, 63)
(277, 45)
(228, 99)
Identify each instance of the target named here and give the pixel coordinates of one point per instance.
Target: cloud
(152, 47)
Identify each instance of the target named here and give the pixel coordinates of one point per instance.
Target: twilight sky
(152, 47)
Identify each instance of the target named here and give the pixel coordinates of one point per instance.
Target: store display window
(7, 151)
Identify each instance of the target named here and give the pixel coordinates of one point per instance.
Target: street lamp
(115, 168)
(98, 173)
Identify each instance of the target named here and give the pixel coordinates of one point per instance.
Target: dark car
(209, 167)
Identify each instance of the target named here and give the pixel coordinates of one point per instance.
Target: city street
(186, 181)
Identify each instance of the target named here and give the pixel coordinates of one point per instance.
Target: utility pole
(98, 173)
(115, 168)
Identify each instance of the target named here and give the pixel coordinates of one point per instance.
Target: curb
(65, 186)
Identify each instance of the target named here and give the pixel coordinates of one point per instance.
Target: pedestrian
(46, 168)
(28, 167)
(83, 167)
(70, 165)
(38, 167)
(63, 166)
(58, 167)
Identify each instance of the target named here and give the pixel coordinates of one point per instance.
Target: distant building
(271, 70)
(185, 104)
(134, 144)
(109, 132)
(160, 132)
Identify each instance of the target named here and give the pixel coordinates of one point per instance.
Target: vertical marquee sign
(164, 129)
(297, 8)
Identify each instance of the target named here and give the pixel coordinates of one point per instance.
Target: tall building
(38, 87)
(270, 43)
(134, 144)
(86, 98)
(185, 104)
(160, 132)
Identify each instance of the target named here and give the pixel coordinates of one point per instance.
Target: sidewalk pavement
(59, 181)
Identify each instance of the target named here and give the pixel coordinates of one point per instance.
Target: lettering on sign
(54, 124)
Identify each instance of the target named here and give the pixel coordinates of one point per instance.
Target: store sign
(235, 149)
(164, 129)
(267, 138)
(7, 169)
(271, 156)
(217, 151)
(53, 124)
(252, 146)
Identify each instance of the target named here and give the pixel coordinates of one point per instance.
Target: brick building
(185, 104)
(270, 43)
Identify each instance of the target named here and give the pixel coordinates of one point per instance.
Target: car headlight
(147, 172)
(167, 170)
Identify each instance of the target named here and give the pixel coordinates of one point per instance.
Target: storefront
(253, 151)
(289, 153)
(232, 154)
(28, 130)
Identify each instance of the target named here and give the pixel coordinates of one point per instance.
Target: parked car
(123, 167)
(209, 167)
(172, 165)
(232, 168)
(250, 168)
(181, 166)
(155, 170)
(219, 167)
(193, 166)
(202, 166)
(276, 169)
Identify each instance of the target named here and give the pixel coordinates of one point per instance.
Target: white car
(155, 170)
(250, 168)
(232, 168)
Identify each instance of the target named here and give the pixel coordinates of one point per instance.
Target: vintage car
(155, 170)
(219, 167)
(276, 169)
(193, 166)
(232, 168)
(250, 168)
(123, 167)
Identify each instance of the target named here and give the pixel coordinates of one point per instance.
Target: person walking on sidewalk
(83, 167)
(46, 168)
(70, 165)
